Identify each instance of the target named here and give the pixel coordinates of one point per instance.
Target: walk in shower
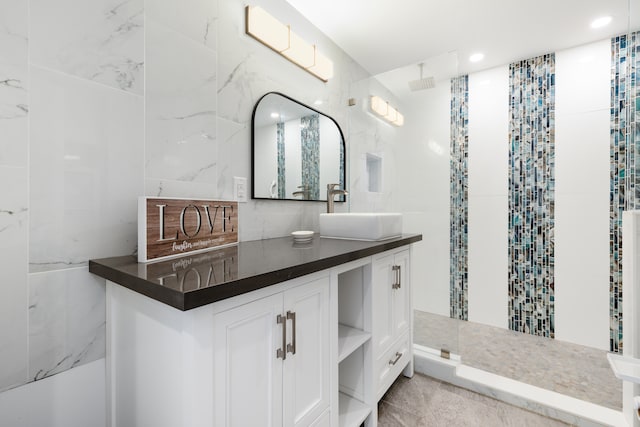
(516, 175)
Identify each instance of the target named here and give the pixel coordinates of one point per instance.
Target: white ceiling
(385, 35)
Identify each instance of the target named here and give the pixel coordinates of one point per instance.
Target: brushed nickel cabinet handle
(395, 269)
(399, 272)
(281, 353)
(395, 360)
(291, 348)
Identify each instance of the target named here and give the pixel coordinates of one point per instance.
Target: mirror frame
(341, 199)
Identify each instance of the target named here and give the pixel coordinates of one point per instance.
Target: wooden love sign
(169, 227)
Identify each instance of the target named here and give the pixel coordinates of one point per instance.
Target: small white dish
(300, 236)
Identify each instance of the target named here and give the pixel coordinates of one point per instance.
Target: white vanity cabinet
(310, 343)
(271, 361)
(392, 343)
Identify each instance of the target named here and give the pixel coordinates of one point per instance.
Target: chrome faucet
(332, 191)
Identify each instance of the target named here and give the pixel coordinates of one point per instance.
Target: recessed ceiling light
(601, 22)
(318, 102)
(476, 57)
(275, 115)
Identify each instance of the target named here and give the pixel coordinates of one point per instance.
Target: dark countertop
(195, 280)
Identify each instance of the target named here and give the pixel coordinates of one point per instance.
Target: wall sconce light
(386, 111)
(279, 37)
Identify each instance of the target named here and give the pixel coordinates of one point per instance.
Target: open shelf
(352, 411)
(349, 339)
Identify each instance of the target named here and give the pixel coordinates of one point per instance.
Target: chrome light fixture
(385, 111)
(279, 37)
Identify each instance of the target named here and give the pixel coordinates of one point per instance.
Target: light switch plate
(240, 189)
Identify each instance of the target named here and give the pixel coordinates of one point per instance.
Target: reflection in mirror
(297, 151)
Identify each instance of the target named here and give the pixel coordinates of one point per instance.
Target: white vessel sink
(360, 226)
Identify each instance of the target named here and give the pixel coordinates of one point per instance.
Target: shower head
(423, 82)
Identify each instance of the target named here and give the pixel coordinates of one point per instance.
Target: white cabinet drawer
(391, 364)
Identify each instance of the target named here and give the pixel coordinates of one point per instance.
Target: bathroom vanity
(262, 333)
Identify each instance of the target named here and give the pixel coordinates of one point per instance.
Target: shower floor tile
(424, 401)
(570, 369)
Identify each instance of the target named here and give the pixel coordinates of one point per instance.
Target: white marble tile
(13, 286)
(265, 219)
(430, 276)
(75, 398)
(180, 107)
(66, 321)
(234, 155)
(423, 153)
(583, 79)
(378, 140)
(13, 83)
(488, 157)
(86, 171)
(370, 135)
(183, 189)
(100, 40)
(582, 153)
(581, 268)
(246, 71)
(195, 19)
(488, 258)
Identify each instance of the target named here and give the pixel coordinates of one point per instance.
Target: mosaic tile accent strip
(531, 195)
(625, 162)
(281, 167)
(459, 185)
(310, 140)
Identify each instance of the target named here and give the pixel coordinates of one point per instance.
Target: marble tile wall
(108, 100)
(246, 71)
(67, 321)
(371, 135)
(72, 151)
(459, 205)
(488, 199)
(582, 185)
(14, 203)
(180, 101)
(100, 41)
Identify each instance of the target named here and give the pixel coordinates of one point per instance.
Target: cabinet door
(401, 295)
(306, 372)
(383, 329)
(247, 372)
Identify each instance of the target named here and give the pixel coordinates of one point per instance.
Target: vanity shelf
(352, 411)
(349, 339)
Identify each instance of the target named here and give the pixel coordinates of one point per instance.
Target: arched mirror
(296, 151)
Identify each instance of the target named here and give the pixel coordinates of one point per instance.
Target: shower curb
(554, 405)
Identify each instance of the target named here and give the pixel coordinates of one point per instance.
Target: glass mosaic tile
(532, 195)
(459, 185)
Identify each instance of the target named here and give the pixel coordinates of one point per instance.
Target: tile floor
(424, 401)
(566, 368)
